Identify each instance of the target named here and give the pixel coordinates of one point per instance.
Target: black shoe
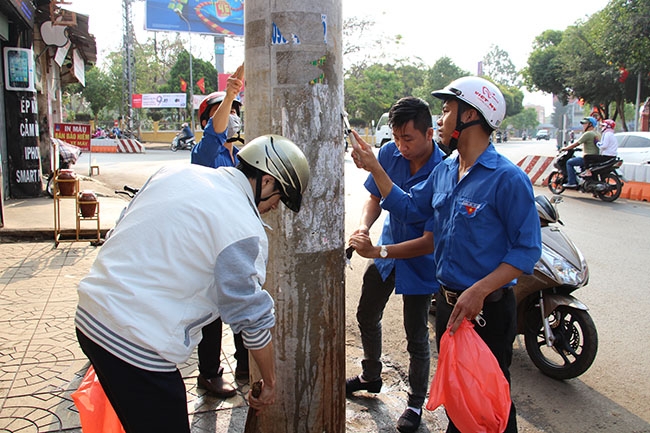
(408, 422)
(354, 384)
(216, 386)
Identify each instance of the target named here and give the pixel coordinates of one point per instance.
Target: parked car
(543, 134)
(634, 147)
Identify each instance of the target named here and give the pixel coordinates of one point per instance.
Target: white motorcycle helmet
(481, 94)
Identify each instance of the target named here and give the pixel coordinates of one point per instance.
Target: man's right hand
(266, 398)
(362, 153)
(235, 82)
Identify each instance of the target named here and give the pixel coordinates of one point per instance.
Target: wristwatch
(383, 251)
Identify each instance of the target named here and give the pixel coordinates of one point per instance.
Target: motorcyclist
(185, 134)
(588, 139)
(608, 144)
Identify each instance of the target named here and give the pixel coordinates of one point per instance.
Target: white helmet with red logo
(479, 93)
(608, 124)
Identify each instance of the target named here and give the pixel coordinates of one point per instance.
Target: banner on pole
(77, 134)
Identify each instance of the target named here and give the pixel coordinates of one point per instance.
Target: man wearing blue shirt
(486, 229)
(403, 259)
(214, 150)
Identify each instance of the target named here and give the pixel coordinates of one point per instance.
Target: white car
(634, 147)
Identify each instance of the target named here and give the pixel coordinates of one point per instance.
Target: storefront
(41, 43)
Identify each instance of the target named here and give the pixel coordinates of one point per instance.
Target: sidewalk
(42, 363)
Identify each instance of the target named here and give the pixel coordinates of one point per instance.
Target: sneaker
(569, 185)
(216, 386)
(354, 384)
(408, 422)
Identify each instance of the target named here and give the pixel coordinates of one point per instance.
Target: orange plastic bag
(95, 411)
(470, 384)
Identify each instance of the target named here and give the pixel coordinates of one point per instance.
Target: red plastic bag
(470, 384)
(95, 411)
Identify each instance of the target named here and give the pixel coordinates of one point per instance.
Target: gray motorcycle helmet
(282, 159)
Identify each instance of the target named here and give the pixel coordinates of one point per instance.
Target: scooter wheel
(574, 347)
(555, 182)
(614, 188)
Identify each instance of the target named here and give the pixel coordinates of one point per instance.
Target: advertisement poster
(159, 100)
(19, 69)
(222, 17)
(73, 133)
(21, 115)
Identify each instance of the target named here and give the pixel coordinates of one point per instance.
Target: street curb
(636, 191)
(41, 235)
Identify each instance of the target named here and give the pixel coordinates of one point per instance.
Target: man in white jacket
(174, 263)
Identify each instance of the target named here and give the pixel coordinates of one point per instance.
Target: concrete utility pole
(294, 87)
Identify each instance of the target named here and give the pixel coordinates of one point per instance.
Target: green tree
(443, 72)
(514, 99)
(98, 91)
(200, 69)
(586, 61)
(544, 71)
(498, 66)
(526, 120)
(371, 91)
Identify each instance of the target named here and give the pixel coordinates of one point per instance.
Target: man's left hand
(468, 305)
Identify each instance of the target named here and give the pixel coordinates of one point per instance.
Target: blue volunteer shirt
(210, 152)
(485, 219)
(414, 276)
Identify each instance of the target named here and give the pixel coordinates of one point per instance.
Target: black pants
(498, 333)
(209, 350)
(591, 160)
(145, 401)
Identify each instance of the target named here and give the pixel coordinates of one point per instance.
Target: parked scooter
(602, 179)
(183, 140)
(560, 336)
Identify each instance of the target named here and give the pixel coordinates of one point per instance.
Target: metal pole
(637, 104)
(189, 31)
(294, 87)
(219, 51)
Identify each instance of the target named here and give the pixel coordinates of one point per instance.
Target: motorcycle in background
(602, 179)
(182, 143)
(183, 140)
(560, 336)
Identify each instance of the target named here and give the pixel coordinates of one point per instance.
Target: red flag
(183, 85)
(201, 84)
(623, 74)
